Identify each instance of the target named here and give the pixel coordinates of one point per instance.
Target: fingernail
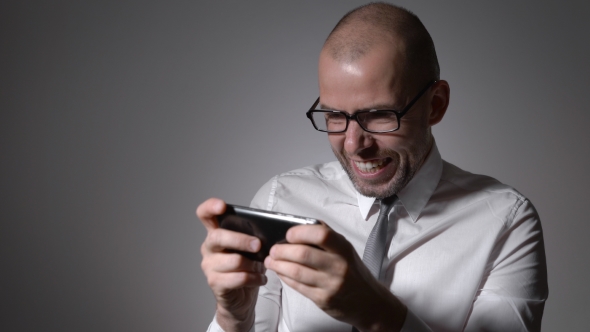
(288, 235)
(254, 245)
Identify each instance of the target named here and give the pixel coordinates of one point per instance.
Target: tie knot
(387, 203)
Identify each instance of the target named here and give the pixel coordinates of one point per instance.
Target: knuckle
(205, 248)
(301, 254)
(215, 283)
(335, 284)
(234, 260)
(323, 235)
(241, 278)
(215, 236)
(322, 299)
(212, 282)
(296, 273)
(204, 266)
(340, 268)
(208, 266)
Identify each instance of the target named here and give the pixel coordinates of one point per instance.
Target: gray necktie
(375, 248)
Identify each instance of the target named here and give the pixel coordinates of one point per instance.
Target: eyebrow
(374, 107)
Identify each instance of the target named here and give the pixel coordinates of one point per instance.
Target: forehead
(375, 80)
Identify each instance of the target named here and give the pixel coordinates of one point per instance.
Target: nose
(356, 139)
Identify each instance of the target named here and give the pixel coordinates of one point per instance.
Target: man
(461, 251)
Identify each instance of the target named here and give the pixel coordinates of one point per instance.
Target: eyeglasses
(373, 121)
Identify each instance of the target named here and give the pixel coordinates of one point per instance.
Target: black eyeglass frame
(398, 114)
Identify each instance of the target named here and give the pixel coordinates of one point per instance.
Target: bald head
(378, 25)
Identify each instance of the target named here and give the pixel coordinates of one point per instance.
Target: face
(379, 165)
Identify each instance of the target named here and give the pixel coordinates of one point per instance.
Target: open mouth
(371, 166)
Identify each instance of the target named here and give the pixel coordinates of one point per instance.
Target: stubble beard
(405, 169)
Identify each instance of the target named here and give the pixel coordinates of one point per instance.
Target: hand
(334, 277)
(233, 278)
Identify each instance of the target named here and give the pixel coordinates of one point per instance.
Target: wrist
(235, 322)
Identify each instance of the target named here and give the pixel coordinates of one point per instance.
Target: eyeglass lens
(378, 121)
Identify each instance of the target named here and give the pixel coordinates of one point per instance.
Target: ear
(439, 102)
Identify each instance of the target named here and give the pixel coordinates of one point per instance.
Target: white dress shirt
(465, 251)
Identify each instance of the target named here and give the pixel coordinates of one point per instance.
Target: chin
(379, 189)
(392, 187)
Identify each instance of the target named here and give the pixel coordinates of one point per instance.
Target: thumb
(208, 212)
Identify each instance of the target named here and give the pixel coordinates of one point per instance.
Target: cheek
(398, 144)
(336, 141)
(406, 139)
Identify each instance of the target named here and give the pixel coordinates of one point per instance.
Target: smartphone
(270, 227)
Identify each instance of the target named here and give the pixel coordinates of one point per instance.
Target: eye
(379, 120)
(334, 117)
(378, 116)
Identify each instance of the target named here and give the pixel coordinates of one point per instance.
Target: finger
(303, 254)
(323, 298)
(234, 262)
(319, 235)
(222, 282)
(301, 273)
(221, 240)
(209, 210)
(311, 292)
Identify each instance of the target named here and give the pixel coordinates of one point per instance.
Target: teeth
(369, 166)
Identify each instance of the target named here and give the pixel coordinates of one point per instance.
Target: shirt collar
(417, 192)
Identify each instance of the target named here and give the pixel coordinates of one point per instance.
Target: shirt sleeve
(214, 327)
(265, 197)
(513, 292)
(267, 309)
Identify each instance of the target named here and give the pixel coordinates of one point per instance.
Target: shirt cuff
(214, 327)
(414, 324)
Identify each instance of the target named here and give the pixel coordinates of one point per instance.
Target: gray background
(118, 118)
